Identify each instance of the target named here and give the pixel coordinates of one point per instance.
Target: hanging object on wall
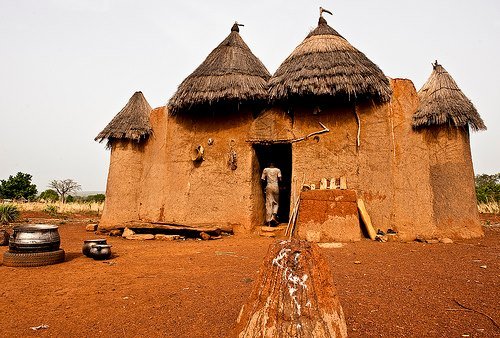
(233, 159)
(210, 141)
(197, 155)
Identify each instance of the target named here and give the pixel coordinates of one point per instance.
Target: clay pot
(100, 251)
(89, 243)
(34, 238)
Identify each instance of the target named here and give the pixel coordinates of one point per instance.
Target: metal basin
(34, 238)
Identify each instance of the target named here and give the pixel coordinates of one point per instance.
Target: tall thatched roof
(132, 122)
(442, 102)
(326, 64)
(230, 73)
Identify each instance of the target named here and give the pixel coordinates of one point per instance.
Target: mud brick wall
(328, 216)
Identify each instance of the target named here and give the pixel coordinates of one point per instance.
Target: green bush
(488, 188)
(18, 187)
(51, 209)
(49, 195)
(8, 213)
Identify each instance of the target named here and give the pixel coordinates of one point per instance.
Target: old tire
(30, 259)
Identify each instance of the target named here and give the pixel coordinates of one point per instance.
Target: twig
(476, 311)
(359, 126)
(324, 130)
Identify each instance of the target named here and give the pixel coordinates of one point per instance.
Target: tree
(64, 187)
(487, 188)
(49, 195)
(19, 186)
(97, 198)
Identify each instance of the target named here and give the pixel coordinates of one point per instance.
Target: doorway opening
(281, 155)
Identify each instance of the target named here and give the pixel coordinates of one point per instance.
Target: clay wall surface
(452, 179)
(153, 185)
(367, 167)
(412, 194)
(209, 191)
(123, 184)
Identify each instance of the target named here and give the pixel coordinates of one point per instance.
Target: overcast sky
(68, 66)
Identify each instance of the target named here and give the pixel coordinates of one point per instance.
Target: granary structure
(198, 160)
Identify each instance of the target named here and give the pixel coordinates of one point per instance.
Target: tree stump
(294, 296)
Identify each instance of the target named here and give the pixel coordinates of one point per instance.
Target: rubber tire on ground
(30, 259)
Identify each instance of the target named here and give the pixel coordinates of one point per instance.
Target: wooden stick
(324, 130)
(358, 121)
(294, 210)
(476, 311)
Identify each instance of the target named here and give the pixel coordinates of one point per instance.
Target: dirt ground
(196, 288)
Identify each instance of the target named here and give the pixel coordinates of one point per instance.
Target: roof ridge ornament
(236, 27)
(321, 18)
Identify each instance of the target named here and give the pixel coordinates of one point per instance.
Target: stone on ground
(162, 237)
(127, 232)
(141, 237)
(91, 227)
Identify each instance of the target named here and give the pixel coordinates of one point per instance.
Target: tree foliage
(49, 195)
(17, 187)
(64, 187)
(488, 188)
(97, 198)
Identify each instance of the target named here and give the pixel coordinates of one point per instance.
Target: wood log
(294, 296)
(366, 219)
(211, 229)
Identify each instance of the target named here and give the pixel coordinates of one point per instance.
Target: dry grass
(131, 123)
(443, 103)
(326, 64)
(66, 208)
(490, 207)
(231, 72)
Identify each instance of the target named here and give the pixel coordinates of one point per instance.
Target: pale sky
(67, 67)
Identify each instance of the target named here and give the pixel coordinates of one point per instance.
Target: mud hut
(126, 134)
(201, 164)
(444, 117)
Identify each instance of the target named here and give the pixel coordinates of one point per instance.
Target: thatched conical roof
(132, 122)
(443, 103)
(326, 64)
(230, 73)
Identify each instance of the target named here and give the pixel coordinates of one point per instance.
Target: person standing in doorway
(271, 176)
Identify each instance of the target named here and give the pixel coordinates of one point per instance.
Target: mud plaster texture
(417, 183)
(328, 216)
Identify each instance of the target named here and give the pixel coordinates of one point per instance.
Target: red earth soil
(196, 288)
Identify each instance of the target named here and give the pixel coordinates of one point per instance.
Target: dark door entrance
(281, 156)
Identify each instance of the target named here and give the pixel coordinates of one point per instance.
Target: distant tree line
(488, 188)
(20, 188)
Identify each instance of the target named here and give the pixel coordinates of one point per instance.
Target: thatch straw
(443, 103)
(132, 122)
(230, 73)
(326, 64)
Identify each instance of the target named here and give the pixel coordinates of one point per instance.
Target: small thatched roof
(443, 103)
(271, 126)
(230, 73)
(326, 64)
(132, 122)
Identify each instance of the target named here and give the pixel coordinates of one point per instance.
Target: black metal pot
(100, 251)
(89, 243)
(35, 238)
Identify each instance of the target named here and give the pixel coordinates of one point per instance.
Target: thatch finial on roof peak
(322, 20)
(236, 27)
